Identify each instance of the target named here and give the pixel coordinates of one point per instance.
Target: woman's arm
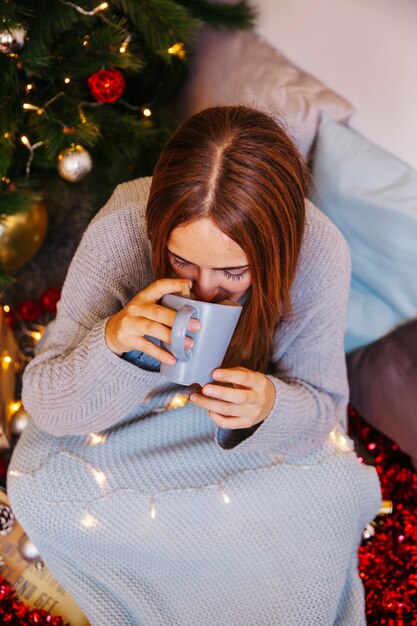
(77, 384)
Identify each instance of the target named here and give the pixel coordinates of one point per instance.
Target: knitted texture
(137, 529)
(77, 384)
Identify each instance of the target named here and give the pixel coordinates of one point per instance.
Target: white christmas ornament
(74, 163)
(12, 39)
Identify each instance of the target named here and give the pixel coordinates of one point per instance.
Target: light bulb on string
(225, 496)
(147, 112)
(100, 7)
(178, 50)
(124, 45)
(31, 149)
(152, 509)
(32, 107)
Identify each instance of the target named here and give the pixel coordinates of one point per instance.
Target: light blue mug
(217, 325)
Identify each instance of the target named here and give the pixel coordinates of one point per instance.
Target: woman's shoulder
(324, 255)
(116, 237)
(128, 197)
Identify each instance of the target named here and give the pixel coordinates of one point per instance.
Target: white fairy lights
(337, 443)
(100, 7)
(25, 141)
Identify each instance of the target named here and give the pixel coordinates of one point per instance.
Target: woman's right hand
(142, 316)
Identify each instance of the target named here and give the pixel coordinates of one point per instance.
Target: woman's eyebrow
(238, 267)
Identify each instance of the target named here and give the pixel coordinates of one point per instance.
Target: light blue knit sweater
(135, 509)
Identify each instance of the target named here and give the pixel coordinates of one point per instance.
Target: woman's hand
(142, 316)
(245, 404)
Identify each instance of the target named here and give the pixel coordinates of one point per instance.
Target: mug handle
(183, 316)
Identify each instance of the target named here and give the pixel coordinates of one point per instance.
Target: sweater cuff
(289, 429)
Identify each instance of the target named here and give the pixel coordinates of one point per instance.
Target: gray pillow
(383, 385)
(242, 68)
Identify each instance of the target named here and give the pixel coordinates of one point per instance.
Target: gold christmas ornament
(12, 39)
(74, 163)
(21, 236)
(20, 419)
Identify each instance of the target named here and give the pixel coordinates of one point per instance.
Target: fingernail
(193, 397)
(217, 375)
(194, 325)
(189, 342)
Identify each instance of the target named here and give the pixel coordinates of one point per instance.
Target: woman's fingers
(147, 346)
(162, 287)
(228, 394)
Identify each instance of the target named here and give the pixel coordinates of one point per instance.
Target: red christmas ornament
(49, 299)
(30, 310)
(107, 85)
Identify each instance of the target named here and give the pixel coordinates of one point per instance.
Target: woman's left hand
(245, 404)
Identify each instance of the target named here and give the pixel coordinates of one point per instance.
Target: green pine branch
(229, 16)
(161, 23)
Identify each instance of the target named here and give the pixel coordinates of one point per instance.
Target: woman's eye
(179, 263)
(231, 276)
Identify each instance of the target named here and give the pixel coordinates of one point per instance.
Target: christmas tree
(85, 98)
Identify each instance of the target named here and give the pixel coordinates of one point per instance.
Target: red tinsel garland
(388, 561)
(14, 612)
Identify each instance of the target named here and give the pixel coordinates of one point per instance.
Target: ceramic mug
(217, 324)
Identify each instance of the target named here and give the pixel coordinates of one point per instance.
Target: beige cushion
(242, 68)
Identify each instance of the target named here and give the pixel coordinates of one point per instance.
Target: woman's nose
(205, 290)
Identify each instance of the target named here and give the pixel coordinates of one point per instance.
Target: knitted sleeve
(310, 376)
(77, 384)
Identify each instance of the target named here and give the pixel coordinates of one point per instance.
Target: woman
(134, 508)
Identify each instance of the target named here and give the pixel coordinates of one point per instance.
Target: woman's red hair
(238, 167)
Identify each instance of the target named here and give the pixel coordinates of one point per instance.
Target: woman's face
(215, 263)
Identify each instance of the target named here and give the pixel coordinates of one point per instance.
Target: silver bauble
(28, 550)
(20, 419)
(12, 39)
(74, 163)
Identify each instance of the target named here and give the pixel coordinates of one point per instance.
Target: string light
(29, 87)
(100, 7)
(67, 80)
(32, 107)
(6, 308)
(5, 180)
(124, 45)
(179, 400)
(31, 149)
(224, 495)
(99, 477)
(147, 112)
(6, 135)
(15, 406)
(6, 361)
(96, 439)
(178, 49)
(337, 443)
(88, 521)
(152, 508)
